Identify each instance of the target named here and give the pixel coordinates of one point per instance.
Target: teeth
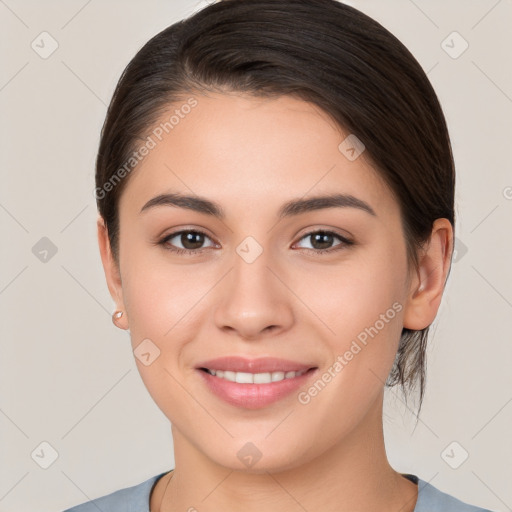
(254, 378)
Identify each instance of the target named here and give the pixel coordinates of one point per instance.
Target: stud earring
(116, 316)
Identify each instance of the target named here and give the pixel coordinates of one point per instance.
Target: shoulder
(128, 499)
(136, 499)
(431, 499)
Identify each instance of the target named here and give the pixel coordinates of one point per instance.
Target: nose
(253, 300)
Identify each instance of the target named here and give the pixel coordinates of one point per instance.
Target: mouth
(255, 378)
(256, 383)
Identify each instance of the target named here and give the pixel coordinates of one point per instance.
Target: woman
(275, 186)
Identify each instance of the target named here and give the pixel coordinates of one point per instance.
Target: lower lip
(254, 396)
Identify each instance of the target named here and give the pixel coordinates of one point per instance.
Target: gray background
(67, 375)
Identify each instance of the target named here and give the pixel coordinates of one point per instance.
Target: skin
(252, 155)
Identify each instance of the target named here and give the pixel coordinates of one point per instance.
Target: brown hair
(321, 51)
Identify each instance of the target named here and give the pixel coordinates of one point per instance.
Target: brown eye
(191, 241)
(321, 241)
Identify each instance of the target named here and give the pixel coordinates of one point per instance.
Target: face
(320, 285)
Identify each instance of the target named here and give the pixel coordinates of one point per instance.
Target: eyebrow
(290, 208)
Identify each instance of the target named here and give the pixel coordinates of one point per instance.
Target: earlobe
(110, 267)
(426, 289)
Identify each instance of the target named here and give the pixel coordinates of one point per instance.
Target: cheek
(359, 306)
(166, 304)
(158, 295)
(163, 307)
(350, 296)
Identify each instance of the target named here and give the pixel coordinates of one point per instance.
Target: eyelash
(191, 252)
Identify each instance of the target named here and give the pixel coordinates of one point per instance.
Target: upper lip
(261, 365)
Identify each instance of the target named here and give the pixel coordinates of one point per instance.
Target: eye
(322, 241)
(190, 239)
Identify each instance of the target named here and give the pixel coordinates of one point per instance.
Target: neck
(353, 474)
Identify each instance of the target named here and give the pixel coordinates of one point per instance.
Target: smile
(254, 390)
(254, 378)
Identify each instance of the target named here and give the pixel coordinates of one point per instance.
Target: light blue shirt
(136, 499)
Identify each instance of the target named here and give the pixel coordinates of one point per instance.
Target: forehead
(250, 151)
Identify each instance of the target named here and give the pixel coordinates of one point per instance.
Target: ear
(112, 271)
(427, 286)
